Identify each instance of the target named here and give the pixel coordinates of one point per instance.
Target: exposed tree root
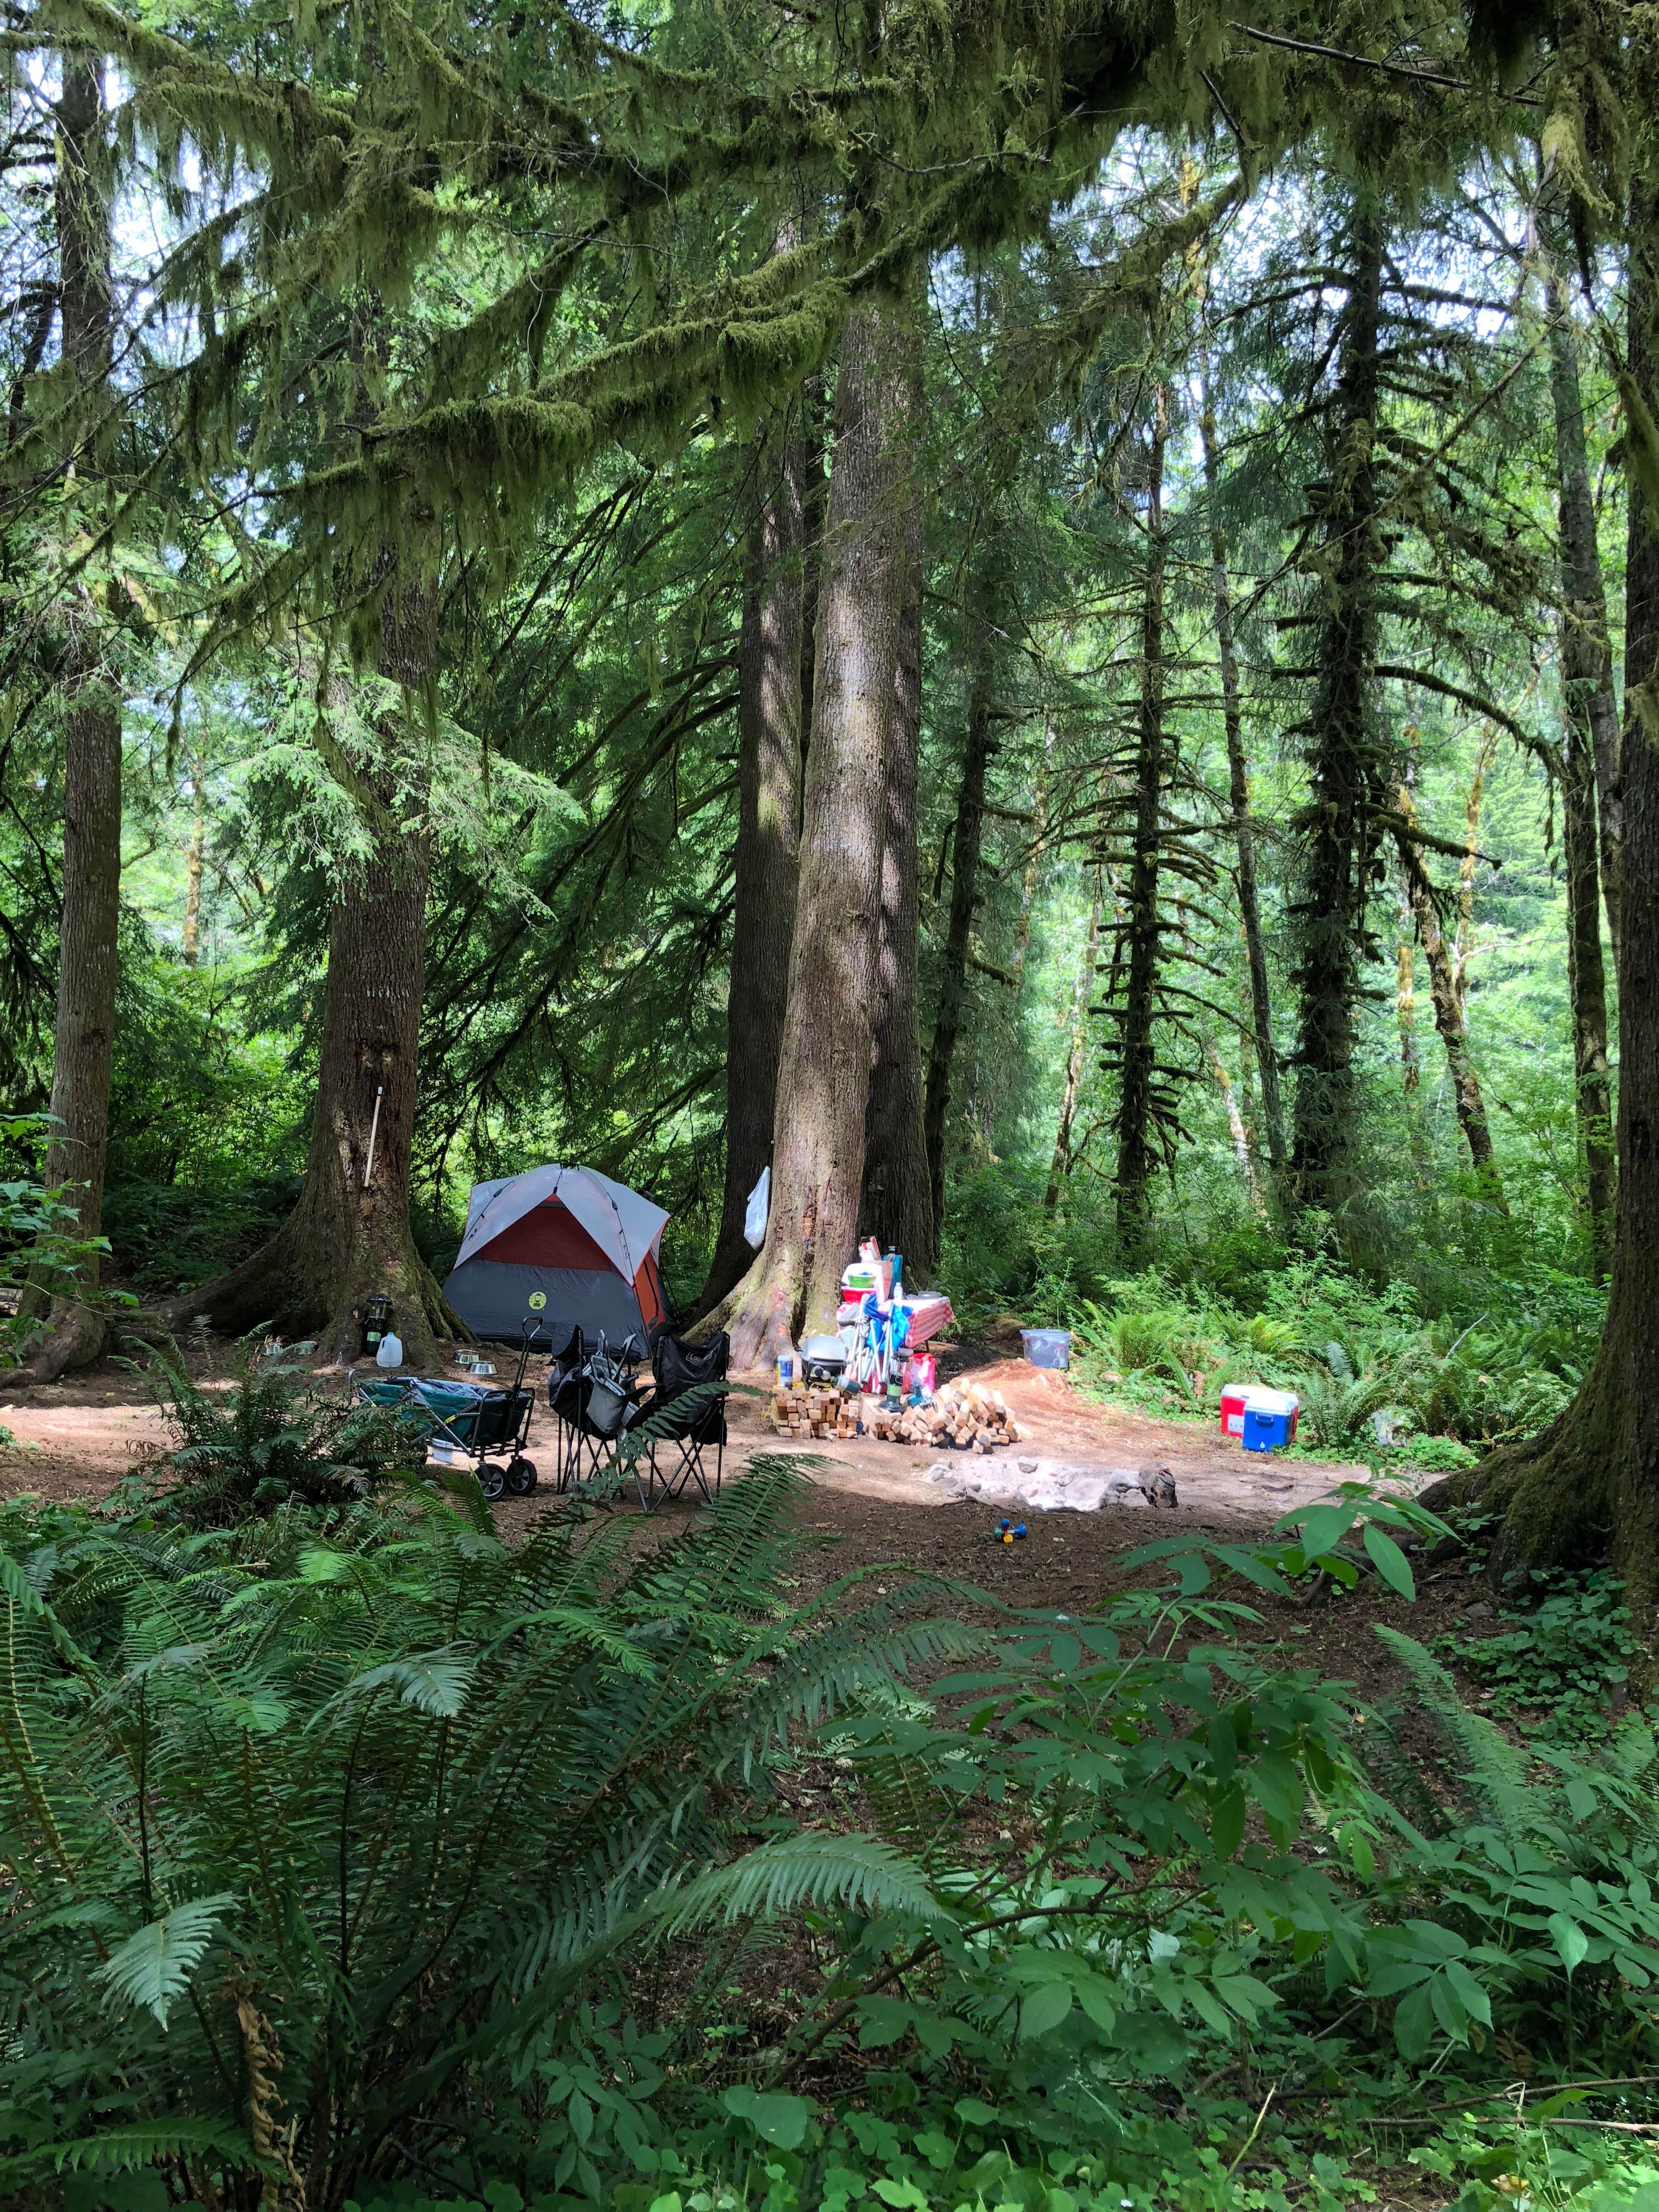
(76, 1336)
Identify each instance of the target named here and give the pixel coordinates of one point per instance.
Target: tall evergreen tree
(83, 1035)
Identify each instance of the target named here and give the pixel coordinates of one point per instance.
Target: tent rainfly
(559, 1249)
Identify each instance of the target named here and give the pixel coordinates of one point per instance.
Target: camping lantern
(377, 1320)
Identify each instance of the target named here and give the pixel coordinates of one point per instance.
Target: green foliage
(1349, 1352)
(1561, 1659)
(40, 1239)
(272, 1439)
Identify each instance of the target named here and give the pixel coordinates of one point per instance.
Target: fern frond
(1489, 1765)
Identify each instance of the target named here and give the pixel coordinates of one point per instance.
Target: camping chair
(686, 1410)
(594, 1404)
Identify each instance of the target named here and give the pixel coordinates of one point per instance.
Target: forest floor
(871, 1503)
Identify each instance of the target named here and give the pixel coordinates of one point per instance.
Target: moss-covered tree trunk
(1589, 777)
(1588, 1487)
(1059, 1163)
(88, 958)
(348, 1235)
(768, 839)
(898, 1204)
(1139, 951)
(1238, 785)
(1586, 650)
(1587, 992)
(1336, 829)
(1446, 995)
(966, 837)
(792, 1289)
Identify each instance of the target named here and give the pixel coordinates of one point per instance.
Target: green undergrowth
(1557, 1658)
(1373, 1375)
(352, 1856)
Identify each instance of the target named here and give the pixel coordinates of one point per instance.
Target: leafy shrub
(272, 1439)
(326, 1835)
(1544, 1880)
(40, 1236)
(1440, 1454)
(370, 1855)
(1567, 1658)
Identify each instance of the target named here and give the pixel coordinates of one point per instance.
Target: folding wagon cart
(463, 1423)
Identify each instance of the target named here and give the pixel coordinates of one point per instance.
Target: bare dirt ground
(76, 1438)
(869, 1503)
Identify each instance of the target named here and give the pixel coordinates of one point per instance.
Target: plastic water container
(1270, 1420)
(1046, 1347)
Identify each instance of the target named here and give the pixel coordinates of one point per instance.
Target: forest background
(1123, 474)
(1047, 615)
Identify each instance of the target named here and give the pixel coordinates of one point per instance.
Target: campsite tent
(562, 1249)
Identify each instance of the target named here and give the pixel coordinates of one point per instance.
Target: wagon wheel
(520, 1475)
(492, 1480)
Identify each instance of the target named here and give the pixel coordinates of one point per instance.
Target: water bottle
(389, 1352)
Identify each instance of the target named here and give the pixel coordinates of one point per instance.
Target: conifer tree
(899, 1204)
(763, 892)
(83, 1035)
(818, 1154)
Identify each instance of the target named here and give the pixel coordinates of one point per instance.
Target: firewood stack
(962, 1417)
(816, 1412)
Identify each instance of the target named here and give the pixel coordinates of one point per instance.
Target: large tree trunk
(824, 1072)
(1588, 1488)
(769, 804)
(1239, 779)
(898, 1205)
(966, 839)
(1446, 993)
(83, 1036)
(1586, 652)
(349, 1236)
(1337, 826)
(1137, 1049)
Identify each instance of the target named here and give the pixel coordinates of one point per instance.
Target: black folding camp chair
(684, 1415)
(594, 1403)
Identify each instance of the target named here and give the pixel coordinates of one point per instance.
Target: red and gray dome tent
(561, 1249)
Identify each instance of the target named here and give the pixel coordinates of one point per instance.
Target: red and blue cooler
(1262, 1419)
(1270, 1420)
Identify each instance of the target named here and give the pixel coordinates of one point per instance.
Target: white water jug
(390, 1352)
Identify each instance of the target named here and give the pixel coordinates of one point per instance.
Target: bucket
(1046, 1347)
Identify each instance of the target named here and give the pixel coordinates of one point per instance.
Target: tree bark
(1587, 993)
(898, 1205)
(769, 658)
(349, 1236)
(83, 1036)
(1235, 1129)
(1137, 1102)
(1446, 993)
(815, 493)
(824, 1072)
(193, 862)
(1338, 833)
(1586, 652)
(1239, 779)
(966, 839)
(1588, 1487)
